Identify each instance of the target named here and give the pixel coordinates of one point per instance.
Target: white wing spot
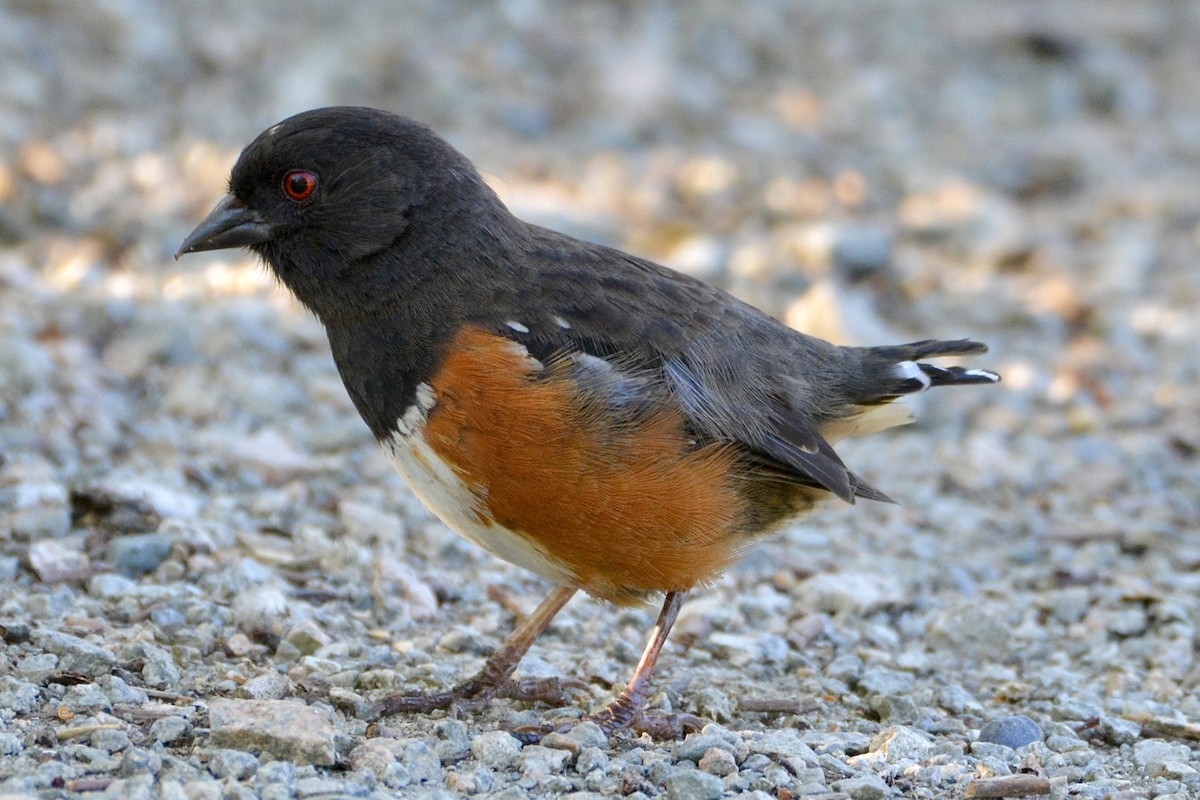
(516, 326)
(908, 370)
(415, 415)
(562, 323)
(982, 373)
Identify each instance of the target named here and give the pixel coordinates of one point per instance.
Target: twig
(84, 730)
(1008, 786)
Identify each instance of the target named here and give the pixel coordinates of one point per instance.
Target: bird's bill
(229, 224)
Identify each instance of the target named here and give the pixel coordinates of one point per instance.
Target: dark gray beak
(229, 224)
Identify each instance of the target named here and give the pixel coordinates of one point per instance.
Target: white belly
(445, 494)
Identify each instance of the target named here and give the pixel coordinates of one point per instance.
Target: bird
(607, 423)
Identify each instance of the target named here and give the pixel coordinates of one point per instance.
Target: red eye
(299, 185)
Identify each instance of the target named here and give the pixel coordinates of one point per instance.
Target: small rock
(287, 729)
(1016, 731)
(170, 729)
(971, 631)
(109, 584)
(136, 761)
(496, 749)
(694, 747)
(421, 763)
(19, 696)
(849, 592)
(268, 686)
(112, 741)
(38, 510)
(307, 637)
(590, 759)
(375, 756)
(10, 744)
(159, 670)
(118, 691)
(863, 787)
(75, 654)
(138, 554)
(783, 744)
(56, 562)
(894, 708)
(540, 762)
(233, 764)
(454, 744)
(718, 762)
(1151, 756)
(900, 742)
(692, 784)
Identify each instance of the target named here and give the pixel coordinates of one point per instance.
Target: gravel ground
(208, 570)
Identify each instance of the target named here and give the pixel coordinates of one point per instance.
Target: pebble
(55, 562)
(692, 784)
(159, 669)
(863, 787)
(138, 554)
(496, 749)
(287, 729)
(233, 764)
(75, 654)
(1015, 731)
(169, 730)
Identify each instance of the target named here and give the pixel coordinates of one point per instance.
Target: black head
(322, 192)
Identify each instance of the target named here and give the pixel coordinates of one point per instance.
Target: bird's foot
(475, 694)
(615, 717)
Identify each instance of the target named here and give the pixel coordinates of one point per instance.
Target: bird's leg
(494, 680)
(626, 710)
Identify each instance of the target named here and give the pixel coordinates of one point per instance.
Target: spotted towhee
(600, 420)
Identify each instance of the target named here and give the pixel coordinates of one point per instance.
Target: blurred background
(1025, 173)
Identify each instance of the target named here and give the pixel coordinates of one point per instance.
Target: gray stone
(695, 746)
(307, 637)
(109, 584)
(75, 654)
(900, 742)
(421, 762)
(863, 787)
(114, 741)
(56, 562)
(137, 760)
(170, 729)
(287, 729)
(1151, 756)
(86, 697)
(1015, 731)
(537, 761)
(233, 764)
(268, 686)
(118, 691)
(881, 680)
(276, 773)
(454, 744)
(718, 762)
(783, 744)
(138, 554)
(496, 749)
(19, 696)
(158, 666)
(692, 784)
(894, 708)
(10, 744)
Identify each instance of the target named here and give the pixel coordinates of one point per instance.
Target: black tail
(913, 375)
